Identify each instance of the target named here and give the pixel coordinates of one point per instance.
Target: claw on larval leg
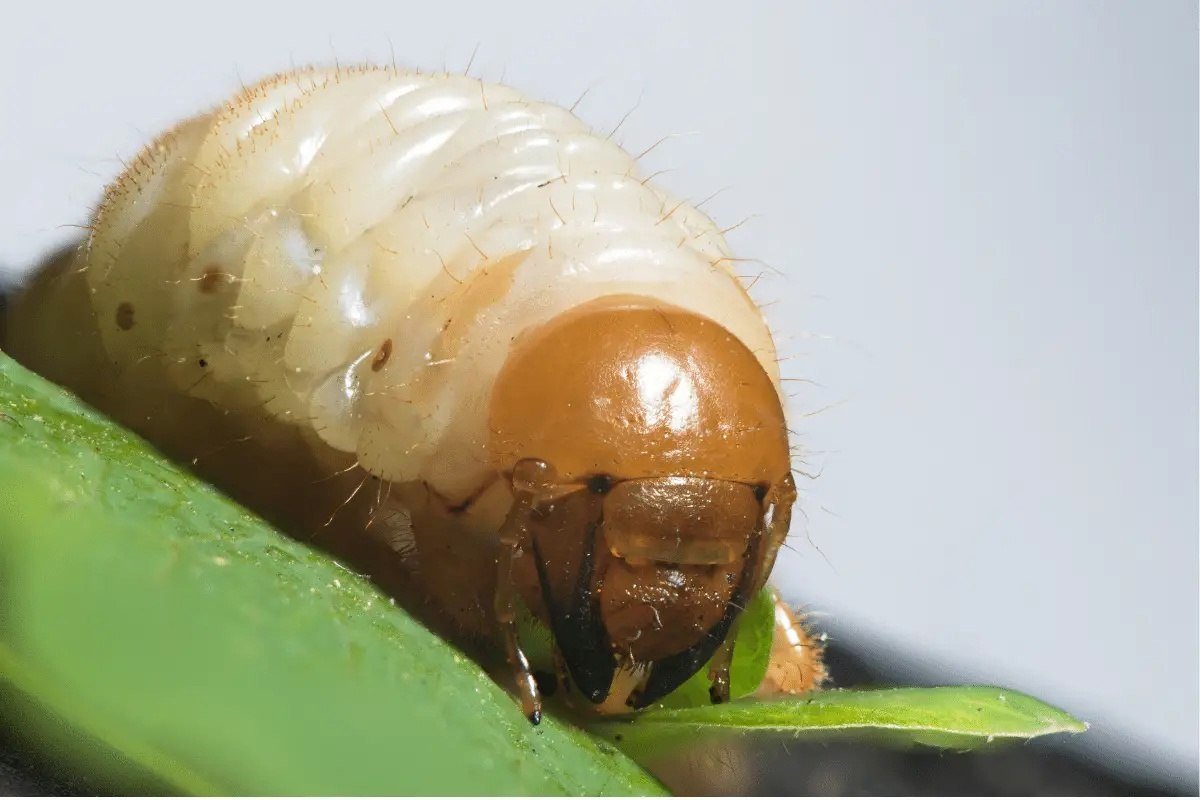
(514, 530)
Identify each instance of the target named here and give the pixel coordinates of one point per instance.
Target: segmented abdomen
(351, 251)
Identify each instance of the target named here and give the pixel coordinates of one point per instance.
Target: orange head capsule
(649, 449)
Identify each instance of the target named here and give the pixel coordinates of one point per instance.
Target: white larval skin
(272, 246)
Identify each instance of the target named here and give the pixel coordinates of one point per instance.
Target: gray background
(986, 217)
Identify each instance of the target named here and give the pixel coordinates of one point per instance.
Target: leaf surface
(156, 636)
(162, 638)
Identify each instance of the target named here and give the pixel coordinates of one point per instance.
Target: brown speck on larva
(382, 355)
(211, 280)
(125, 316)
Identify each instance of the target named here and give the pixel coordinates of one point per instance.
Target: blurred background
(977, 232)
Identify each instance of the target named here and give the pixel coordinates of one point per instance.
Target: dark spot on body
(125, 316)
(599, 484)
(203, 362)
(547, 683)
(382, 356)
(212, 279)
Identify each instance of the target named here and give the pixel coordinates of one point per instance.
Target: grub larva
(457, 338)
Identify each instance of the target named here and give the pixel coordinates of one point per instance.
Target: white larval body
(354, 249)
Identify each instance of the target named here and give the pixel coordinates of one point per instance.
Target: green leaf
(160, 638)
(958, 717)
